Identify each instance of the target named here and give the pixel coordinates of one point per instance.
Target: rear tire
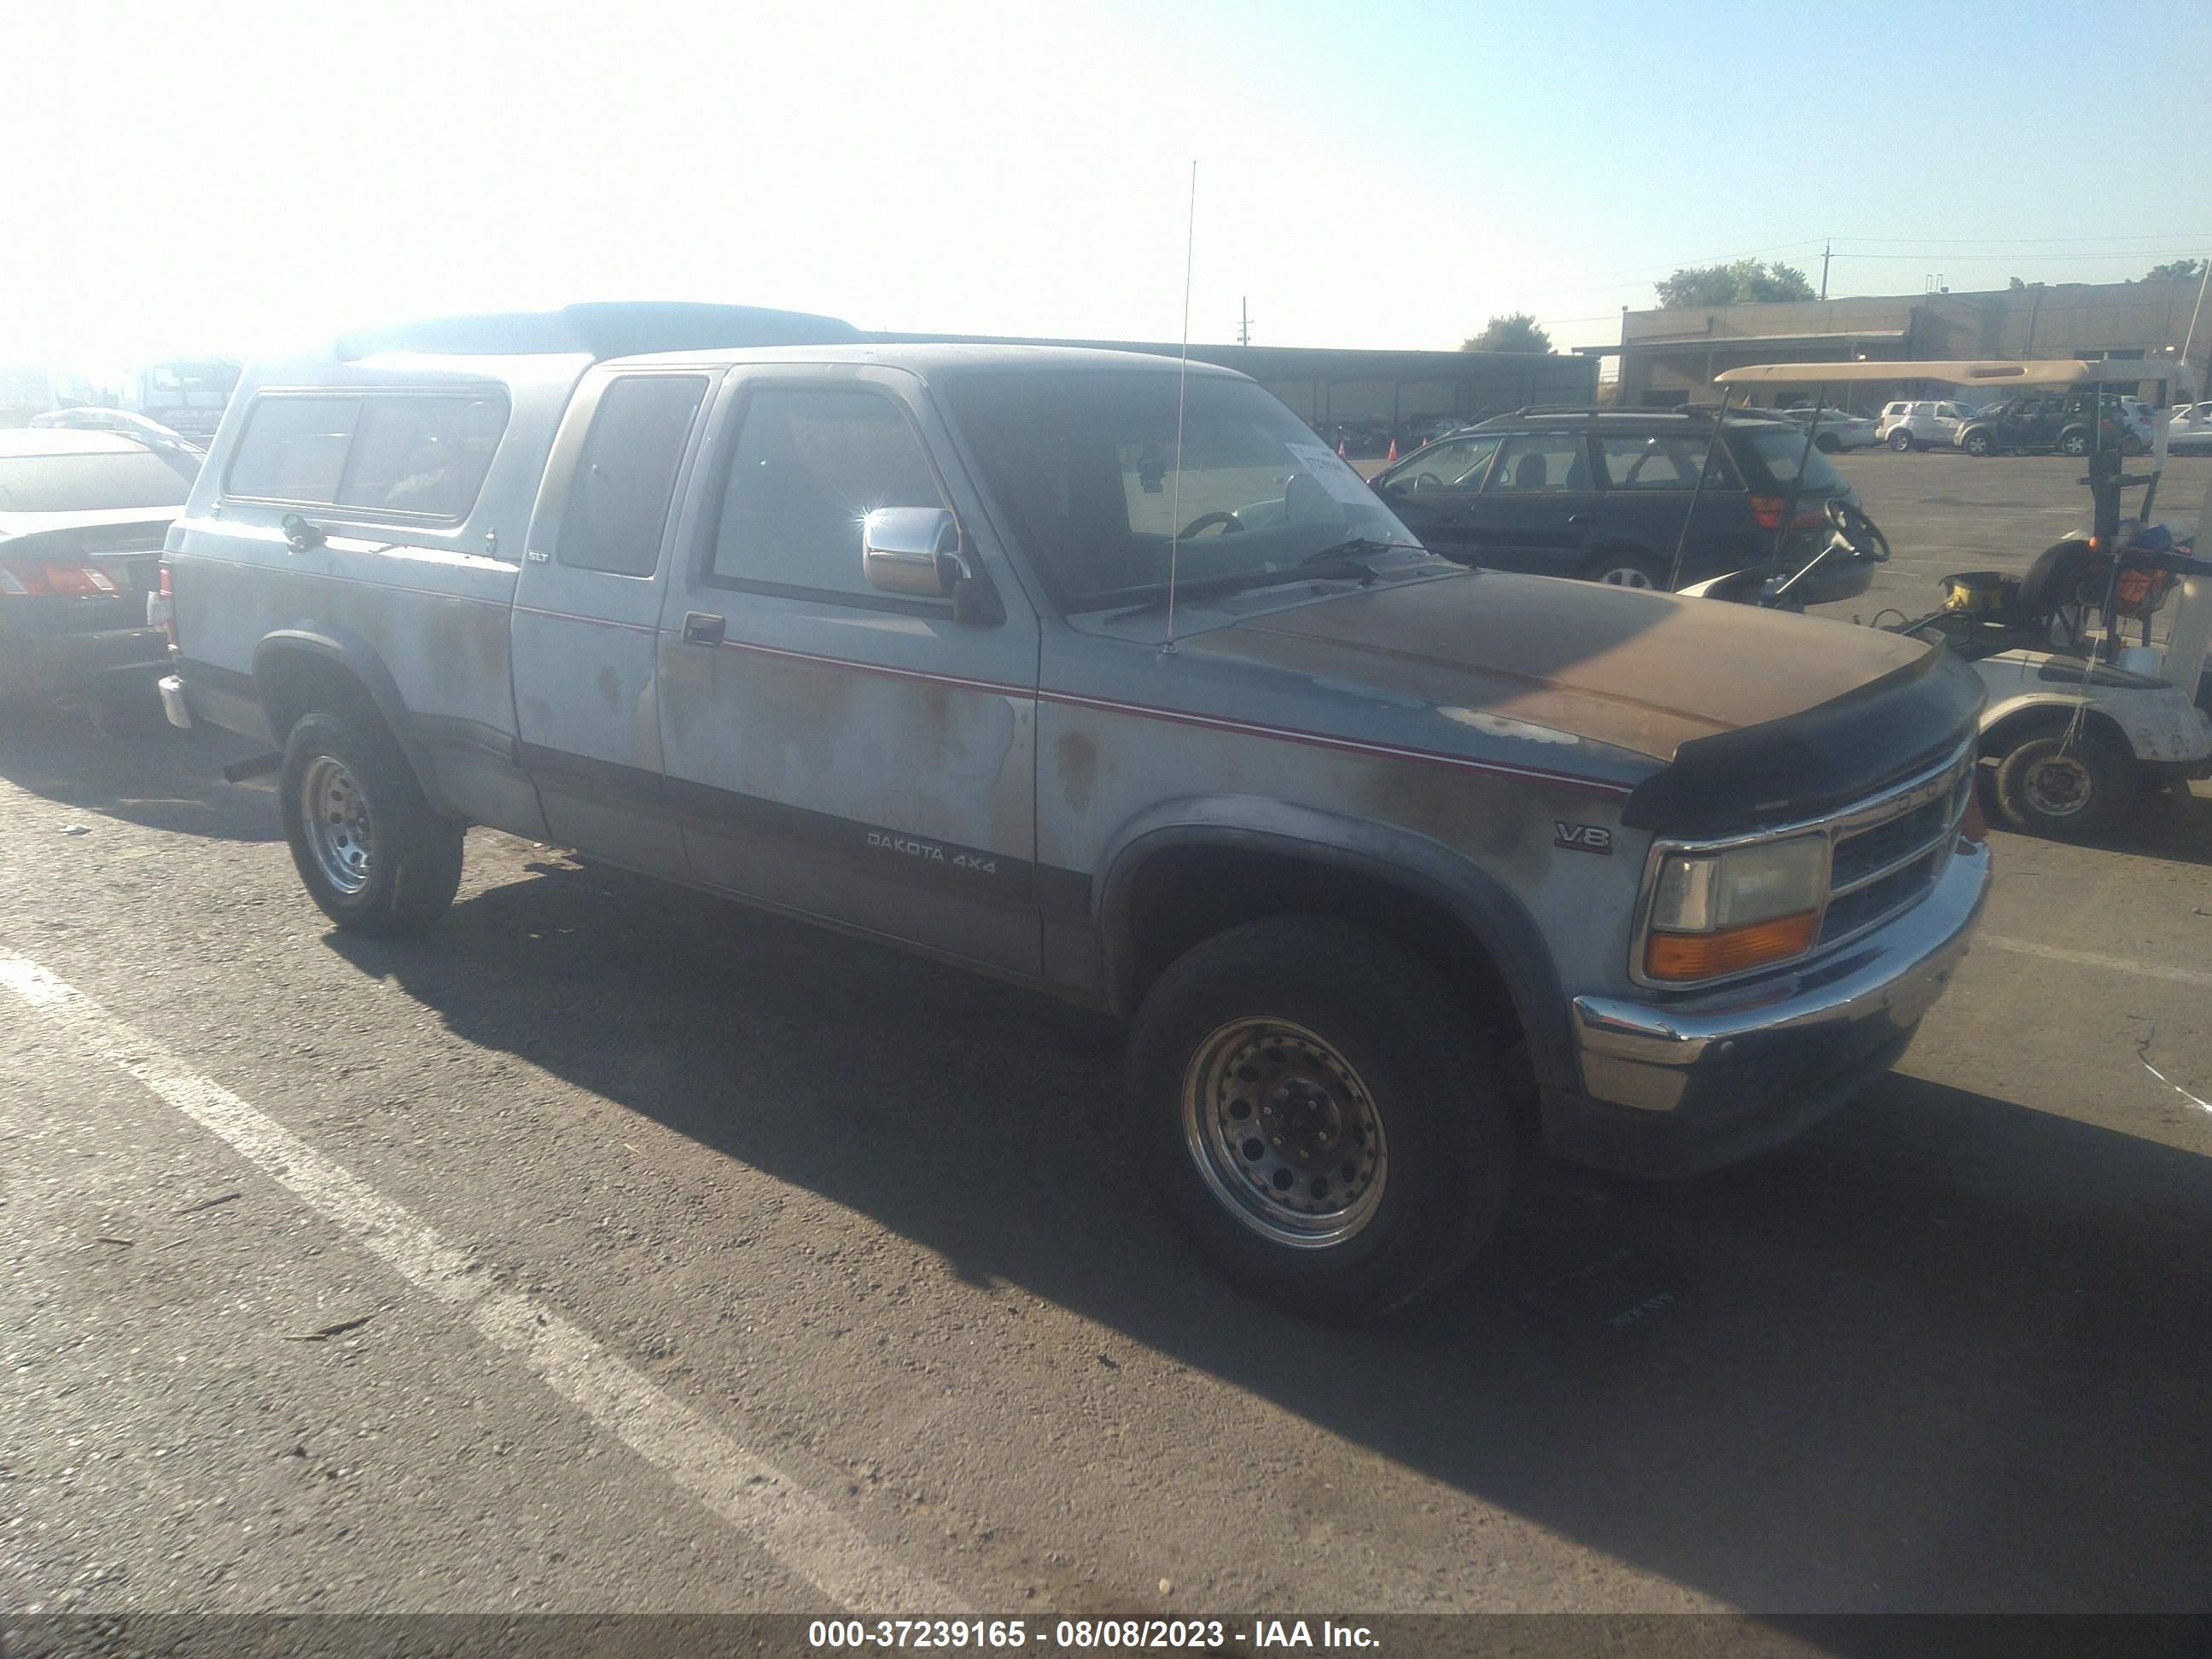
(1901, 440)
(370, 850)
(1625, 569)
(1827, 444)
(2074, 443)
(2065, 790)
(1319, 1117)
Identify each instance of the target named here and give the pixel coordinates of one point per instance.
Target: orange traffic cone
(1340, 449)
(1391, 459)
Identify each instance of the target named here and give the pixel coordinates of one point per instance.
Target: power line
(1960, 241)
(2028, 259)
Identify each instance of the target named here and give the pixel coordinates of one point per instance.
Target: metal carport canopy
(2038, 371)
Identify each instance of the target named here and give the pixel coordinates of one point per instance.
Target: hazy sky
(201, 175)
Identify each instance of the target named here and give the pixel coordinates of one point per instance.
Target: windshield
(85, 483)
(1778, 452)
(1083, 462)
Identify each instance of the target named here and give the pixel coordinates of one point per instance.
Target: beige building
(1668, 357)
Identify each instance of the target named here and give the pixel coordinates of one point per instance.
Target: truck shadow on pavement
(150, 775)
(1944, 1353)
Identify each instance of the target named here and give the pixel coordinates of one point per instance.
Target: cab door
(587, 610)
(858, 756)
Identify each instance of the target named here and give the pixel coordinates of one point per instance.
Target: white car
(1839, 429)
(1927, 423)
(2190, 432)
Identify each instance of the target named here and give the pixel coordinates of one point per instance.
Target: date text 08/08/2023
(1086, 1634)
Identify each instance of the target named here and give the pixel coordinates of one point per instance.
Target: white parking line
(2091, 959)
(774, 1511)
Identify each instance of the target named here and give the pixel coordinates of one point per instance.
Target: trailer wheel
(2065, 788)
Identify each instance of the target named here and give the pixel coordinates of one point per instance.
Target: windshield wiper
(1345, 561)
(1359, 548)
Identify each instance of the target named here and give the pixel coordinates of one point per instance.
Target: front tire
(1319, 1117)
(370, 850)
(2074, 443)
(1977, 444)
(2065, 789)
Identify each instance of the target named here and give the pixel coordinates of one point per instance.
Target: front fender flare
(1423, 868)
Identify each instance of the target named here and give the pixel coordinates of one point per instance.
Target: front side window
(425, 454)
(295, 449)
(809, 467)
(1541, 464)
(1455, 464)
(1085, 464)
(618, 496)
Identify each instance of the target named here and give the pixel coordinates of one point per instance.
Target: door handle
(702, 628)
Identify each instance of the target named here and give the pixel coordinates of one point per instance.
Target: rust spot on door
(1078, 758)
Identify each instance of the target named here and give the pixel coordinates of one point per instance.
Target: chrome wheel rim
(341, 827)
(2058, 787)
(1626, 575)
(1284, 1132)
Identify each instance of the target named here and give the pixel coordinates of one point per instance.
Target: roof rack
(602, 329)
(1609, 411)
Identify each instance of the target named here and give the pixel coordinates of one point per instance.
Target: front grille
(1886, 855)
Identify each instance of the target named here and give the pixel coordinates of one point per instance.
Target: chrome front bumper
(1675, 1087)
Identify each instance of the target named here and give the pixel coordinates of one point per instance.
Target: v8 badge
(1582, 837)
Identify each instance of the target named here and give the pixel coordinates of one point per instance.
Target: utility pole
(1824, 252)
(1243, 320)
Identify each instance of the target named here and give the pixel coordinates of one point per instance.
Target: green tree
(1740, 284)
(2174, 270)
(1517, 333)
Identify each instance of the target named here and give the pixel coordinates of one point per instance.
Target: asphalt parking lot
(1944, 511)
(614, 1248)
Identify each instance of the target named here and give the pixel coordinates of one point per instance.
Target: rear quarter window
(293, 449)
(1771, 458)
(424, 454)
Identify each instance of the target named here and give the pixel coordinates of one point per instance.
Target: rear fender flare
(359, 659)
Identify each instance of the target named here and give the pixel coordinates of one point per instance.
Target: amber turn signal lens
(1730, 949)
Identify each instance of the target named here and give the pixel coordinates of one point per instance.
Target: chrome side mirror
(914, 550)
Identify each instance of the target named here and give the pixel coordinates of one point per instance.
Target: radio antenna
(1183, 380)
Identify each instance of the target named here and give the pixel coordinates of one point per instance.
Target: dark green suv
(1604, 495)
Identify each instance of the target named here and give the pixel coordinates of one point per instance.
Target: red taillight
(46, 582)
(1767, 510)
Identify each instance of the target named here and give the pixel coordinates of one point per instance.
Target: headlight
(1720, 913)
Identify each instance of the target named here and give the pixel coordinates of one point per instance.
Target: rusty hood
(1638, 671)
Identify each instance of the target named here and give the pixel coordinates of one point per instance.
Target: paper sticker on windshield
(1333, 473)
